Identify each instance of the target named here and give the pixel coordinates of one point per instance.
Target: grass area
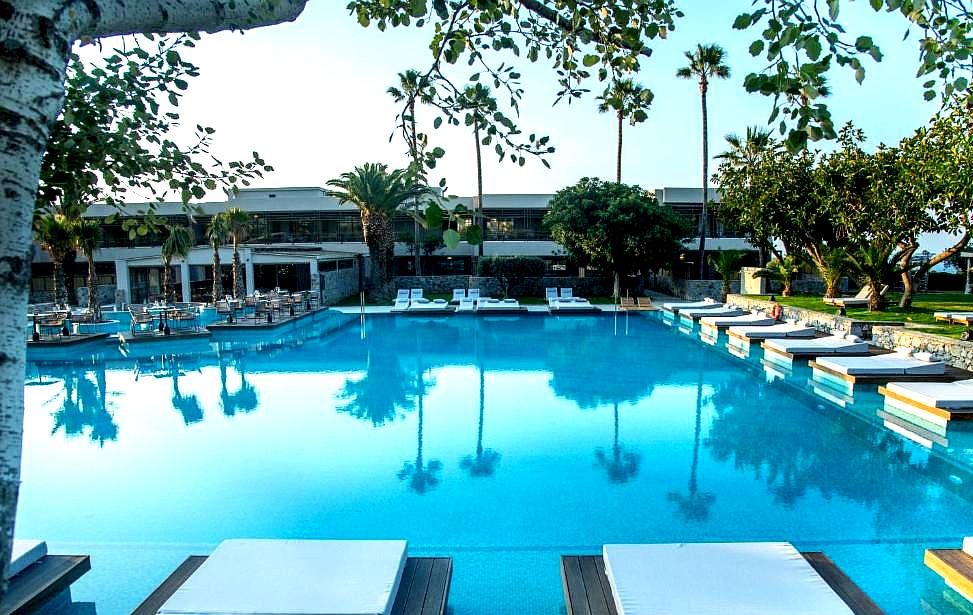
(919, 316)
(354, 301)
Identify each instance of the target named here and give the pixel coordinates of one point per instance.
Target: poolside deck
(42, 581)
(946, 414)
(955, 567)
(59, 341)
(871, 352)
(423, 589)
(951, 374)
(158, 336)
(250, 324)
(587, 590)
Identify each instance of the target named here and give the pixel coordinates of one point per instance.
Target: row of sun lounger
(412, 301)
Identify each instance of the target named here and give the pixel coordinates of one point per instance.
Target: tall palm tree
(55, 233)
(705, 63)
(628, 100)
(478, 103)
(177, 245)
(87, 238)
(874, 264)
(412, 87)
(238, 229)
(378, 193)
(746, 152)
(216, 232)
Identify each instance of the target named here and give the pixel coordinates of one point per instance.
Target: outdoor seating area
(266, 307)
(562, 301)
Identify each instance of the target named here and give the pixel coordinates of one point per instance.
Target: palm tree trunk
(618, 155)
(617, 287)
(875, 297)
(414, 146)
(238, 285)
(217, 276)
(702, 214)
(166, 283)
(93, 303)
(479, 431)
(479, 188)
(60, 290)
(377, 231)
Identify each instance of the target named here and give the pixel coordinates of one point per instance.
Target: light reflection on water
(500, 441)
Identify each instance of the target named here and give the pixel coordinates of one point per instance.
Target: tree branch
(564, 24)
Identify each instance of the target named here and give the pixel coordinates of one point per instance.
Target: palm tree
(832, 266)
(87, 237)
(217, 232)
(378, 193)
(705, 63)
(727, 263)
(782, 270)
(238, 228)
(55, 233)
(187, 405)
(745, 153)
(177, 245)
(627, 99)
(874, 265)
(479, 103)
(412, 87)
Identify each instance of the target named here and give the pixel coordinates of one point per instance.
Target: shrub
(509, 270)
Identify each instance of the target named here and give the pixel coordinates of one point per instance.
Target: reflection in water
(187, 405)
(245, 398)
(695, 505)
(382, 391)
(621, 465)
(85, 405)
(421, 474)
(485, 461)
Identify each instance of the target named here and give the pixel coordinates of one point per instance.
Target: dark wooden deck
(954, 566)
(41, 581)
(587, 591)
(249, 323)
(423, 590)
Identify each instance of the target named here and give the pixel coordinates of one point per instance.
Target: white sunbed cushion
(25, 553)
(757, 578)
(935, 394)
(968, 545)
(306, 577)
(753, 320)
(881, 365)
(824, 345)
(709, 304)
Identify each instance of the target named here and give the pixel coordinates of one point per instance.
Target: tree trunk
(618, 155)
(377, 231)
(93, 303)
(60, 292)
(166, 282)
(786, 290)
(239, 286)
(217, 274)
(702, 214)
(479, 190)
(37, 38)
(724, 290)
(414, 146)
(875, 297)
(942, 256)
(907, 277)
(617, 288)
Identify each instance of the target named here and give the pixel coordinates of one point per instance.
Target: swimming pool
(501, 441)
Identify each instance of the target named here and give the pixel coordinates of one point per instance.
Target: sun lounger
(780, 330)
(415, 293)
(692, 305)
(955, 566)
(39, 582)
(961, 318)
(724, 578)
(425, 305)
(497, 305)
(860, 299)
(403, 293)
(459, 293)
(818, 346)
(466, 305)
(720, 310)
(25, 553)
(573, 304)
(757, 319)
(566, 293)
(473, 293)
(934, 402)
(311, 577)
(400, 305)
(627, 303)
(892, 364)
(645, 303)
(550, 293)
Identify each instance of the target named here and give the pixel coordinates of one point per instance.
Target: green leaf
(433, 216)
(742, 22)
(590, 60)
(474, 234)
(451, 238)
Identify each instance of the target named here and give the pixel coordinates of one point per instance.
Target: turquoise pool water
(502, 442)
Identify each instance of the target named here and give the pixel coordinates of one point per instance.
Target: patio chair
(403, 293)
(550, 294)
(184, 316)
(140, 318)
(474, 294)
(627, 303)
(415, 293)
(567, 293)
(459, 294)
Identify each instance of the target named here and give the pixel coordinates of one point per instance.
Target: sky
(310, 97)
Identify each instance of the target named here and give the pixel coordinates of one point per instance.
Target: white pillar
(315, 279)
(187, 293)
(248, 267)
(121, 280)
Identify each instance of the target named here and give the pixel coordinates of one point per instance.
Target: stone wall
(490, 287)
(955, 352)
(826, 323)
(693, 290)
(338, 285)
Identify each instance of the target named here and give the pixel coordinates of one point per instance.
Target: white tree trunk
(35, 39)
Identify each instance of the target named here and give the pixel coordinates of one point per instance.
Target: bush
(509, 270)
(941, 280)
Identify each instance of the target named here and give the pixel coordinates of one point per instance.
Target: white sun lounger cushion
(778, 330)
(947, 395)
(699, 305)
(889, 364)
(753, 320)
(824, 345)
(968, 545)
(757, 578)
(25, 553)
(307, 577)
(717, 311)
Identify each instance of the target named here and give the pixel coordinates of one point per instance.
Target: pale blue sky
(310, 97)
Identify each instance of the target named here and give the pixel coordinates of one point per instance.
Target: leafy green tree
(782, 270)
(509, 270)
(217, 232)
(87, 238)
(727, 263)
(55, 234)
(177, 244)
(875, 264)
(378, 193)
(615, 227)
(237, 223)
(833, 267)
(626, 99)
(706, 63)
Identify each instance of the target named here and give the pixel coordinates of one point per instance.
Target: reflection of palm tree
(485, 461)
(244, 399)
(86, 405)
(381, 392)
(187, 405)
(621, 465)
(422, 476)
(695, 505)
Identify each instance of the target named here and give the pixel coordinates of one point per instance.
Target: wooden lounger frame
(587, 590)
(45, 579)
(955, 567)
(424, 587)
(963, 414)
(951, 374)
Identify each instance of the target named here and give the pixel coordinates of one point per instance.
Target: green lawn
(920, 315)
(355, 301)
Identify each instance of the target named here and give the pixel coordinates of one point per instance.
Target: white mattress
(425, 306)
(574, 304)
(752, 320)
(820, 345)
(759, 578)
(25, 553)
(968, 545)
(720, 310)
(306, 577)
(497, 304)
(700, 305)
(773, 331)
(886, 364)
(948, 395)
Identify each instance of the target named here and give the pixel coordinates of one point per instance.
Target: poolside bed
(707, 303)
(311, 577)
(720, 310)
(955, 566)
(831, 345)
(884, 368)
(757, 319)
(937, 402)
(751, 334)
(498, 306)
(426, 306)
(961, 318)
(35, 577)
(728, 578)
(571, 304)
